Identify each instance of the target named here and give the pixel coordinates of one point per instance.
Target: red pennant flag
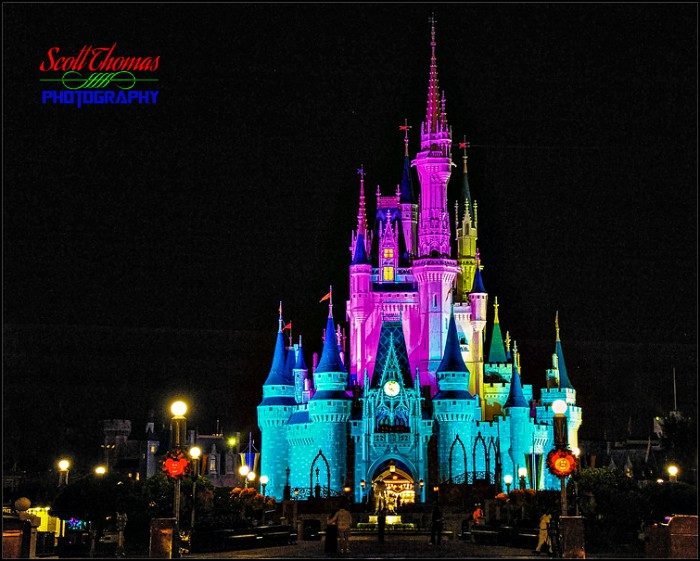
(326, 297)
(288, 326)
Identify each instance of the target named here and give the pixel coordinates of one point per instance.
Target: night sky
(146, 247)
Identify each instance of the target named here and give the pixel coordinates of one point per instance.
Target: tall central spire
(361, 213)
(433, 107)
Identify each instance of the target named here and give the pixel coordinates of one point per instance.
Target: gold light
(178, 408)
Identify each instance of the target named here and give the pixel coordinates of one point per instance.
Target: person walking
(544, 538)
(343, 520)
(436, 526)
(381, 524)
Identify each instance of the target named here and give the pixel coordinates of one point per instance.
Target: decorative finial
(516, 355)
(379, 191)
(477, 258)
(405, 128)
(556, 324)
(300, 340)
(508, 341)
(456, 217)
(495, 308)
(280, 318)
(463, 146)
(330, 302)
(432, 107)
(361, 214)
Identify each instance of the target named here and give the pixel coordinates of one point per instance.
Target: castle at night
(417, 394)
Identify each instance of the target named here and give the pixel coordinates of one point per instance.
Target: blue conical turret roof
(290, 362)
(300, 363)
(452, 360)
(478, 285)
(330, 356)
(359, 256)
(515, 394)
(278, 371)
(564, 382)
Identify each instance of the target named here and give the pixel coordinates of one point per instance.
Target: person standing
(544, 538)
(381, 525)
(343, 520)
(436, 526)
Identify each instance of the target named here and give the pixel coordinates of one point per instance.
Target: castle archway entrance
(393, 486)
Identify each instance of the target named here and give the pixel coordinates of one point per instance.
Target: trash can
(164, 543)
(311, 530)
(331, 542)
(44, 543)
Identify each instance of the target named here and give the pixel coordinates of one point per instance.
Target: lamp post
(63, 468)
(421, 484)
(250, 477)
(363, 484)
(178, 409)
(263, 482)
(522, 474)
(195, 453)
(296, 493)
(672, 473)
(559, 407)
(576, 452)
(508, 480)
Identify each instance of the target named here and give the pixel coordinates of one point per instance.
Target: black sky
(165, 235)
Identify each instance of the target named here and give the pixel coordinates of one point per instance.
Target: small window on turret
(388, 253)
(388, 273)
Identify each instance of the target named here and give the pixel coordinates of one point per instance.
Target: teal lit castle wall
(416, 367)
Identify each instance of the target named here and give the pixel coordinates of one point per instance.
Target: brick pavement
(366, 547)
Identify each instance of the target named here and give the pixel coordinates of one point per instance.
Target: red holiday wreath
(175, 464)
(561, 462)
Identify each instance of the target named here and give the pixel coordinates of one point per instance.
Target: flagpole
(675, 405)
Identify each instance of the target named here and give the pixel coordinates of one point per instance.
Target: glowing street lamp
(522, 474)
(100, 470)
(63, 468)
(250, 477)
(243, 471)
(195, 453)
(508, 480)
(263, 481)
(178, 409)
(672, 473)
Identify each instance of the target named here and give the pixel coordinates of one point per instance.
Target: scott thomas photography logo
(98, 76)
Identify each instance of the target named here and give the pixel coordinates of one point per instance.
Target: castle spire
(497, 352)
(278, 375)
(564, 382)
(359, 251)
(478, 285)
(431, 113)
(361, 213)
(466, 193)
(330, 356)
(452, 360)
(406, 185)
(515, 393)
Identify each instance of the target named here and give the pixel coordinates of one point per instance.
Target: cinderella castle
(417, 394)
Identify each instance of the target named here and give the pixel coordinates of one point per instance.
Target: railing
(304, 493)
(470, 477)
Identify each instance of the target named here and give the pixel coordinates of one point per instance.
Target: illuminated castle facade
(411, 398)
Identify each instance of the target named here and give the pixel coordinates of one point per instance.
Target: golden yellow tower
(466, 234)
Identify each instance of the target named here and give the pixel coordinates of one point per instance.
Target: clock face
(392, 388)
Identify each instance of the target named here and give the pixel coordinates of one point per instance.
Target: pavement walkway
(367, 547)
